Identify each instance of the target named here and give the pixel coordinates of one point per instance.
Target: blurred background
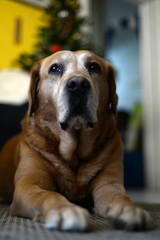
(124, 32)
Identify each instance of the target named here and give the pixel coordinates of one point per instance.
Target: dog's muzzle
(78, 91)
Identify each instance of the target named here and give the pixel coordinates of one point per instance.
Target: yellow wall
(30, 18)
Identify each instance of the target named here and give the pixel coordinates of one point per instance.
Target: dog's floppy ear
(113, 98)
(33, 89)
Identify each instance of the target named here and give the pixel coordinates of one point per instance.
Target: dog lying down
(69, 153)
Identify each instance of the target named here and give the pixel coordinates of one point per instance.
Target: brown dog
(69, 151)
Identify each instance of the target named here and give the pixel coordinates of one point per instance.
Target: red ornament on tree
(55, 48)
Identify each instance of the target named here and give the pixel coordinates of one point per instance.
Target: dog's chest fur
(72, 158)
(69, 159)
(81, 144)
(75, 160)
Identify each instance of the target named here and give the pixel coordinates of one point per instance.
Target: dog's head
(78, 86)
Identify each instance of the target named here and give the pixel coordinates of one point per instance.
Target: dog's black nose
(78, 84)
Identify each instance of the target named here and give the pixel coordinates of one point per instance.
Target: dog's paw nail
(119, 224)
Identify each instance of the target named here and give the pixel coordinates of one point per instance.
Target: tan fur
(52, 169)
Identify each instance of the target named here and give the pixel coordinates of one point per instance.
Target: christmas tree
(62, 31)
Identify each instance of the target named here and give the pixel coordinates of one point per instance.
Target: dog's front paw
(128, 217)
(68, 218)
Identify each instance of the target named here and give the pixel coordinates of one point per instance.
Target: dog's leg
(35, 195)
(52, 208)
(112, 201)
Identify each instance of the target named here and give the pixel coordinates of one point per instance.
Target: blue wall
(122, 50)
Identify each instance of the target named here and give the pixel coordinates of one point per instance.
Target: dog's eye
(94, 68)
(55, 68)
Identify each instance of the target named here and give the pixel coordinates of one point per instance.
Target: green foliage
(62, 31)
(136, 116)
